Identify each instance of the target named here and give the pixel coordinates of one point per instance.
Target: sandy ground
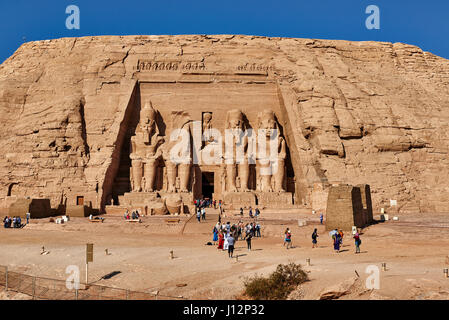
(415, 249)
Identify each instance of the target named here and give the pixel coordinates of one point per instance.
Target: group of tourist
(337, 239)
(134, 215)
(14, 222)
(207, 203)
(250, 212)
(201, 214)
(227, 234)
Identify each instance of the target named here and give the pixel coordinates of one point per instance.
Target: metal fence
(40, 288)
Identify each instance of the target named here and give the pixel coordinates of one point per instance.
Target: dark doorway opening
(79, 200)
(208, 184)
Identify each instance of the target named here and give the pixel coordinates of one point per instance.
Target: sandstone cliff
(354, 112)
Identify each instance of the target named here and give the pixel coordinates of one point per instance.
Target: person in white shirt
(226, 242)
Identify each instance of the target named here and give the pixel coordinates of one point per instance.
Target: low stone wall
(38, 208)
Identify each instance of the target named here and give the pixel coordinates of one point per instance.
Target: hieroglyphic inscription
(154, 65)
(254, 67)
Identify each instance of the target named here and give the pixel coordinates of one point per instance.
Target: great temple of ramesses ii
(92, 123)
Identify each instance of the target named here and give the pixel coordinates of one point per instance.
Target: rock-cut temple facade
(94, 123)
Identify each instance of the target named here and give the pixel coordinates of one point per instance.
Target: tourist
(28, 215)
(220, 240)
(19, 222)
(257, 212)
(219, 204)
(341, 237)
(226, 242)
(248, 238)
(288, 238)
(215, 235)
(337, 241)
(314, 238)
(195, 202)
(14, 219)
(358, 242)
(250, 212)
(321, 218)
(203, 214)
(215, 204)
(241, 211)
(228, 226)
(230, 245)
(258, 230)
(198, 215)
(5, 222)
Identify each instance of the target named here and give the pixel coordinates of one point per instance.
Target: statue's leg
(137, 175)
(231, 176)
(184, 177)
(150, 174)
(244, 176)
(171, 175)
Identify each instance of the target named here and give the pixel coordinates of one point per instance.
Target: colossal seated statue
(236, 149)
(145, 151)
(270, 167)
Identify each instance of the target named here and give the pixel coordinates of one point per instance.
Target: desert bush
(277, 285)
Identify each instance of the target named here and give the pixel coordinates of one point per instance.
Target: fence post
(6, 279)
(34, 288)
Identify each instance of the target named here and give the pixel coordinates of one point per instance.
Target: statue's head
(207, 117)
(267, 122)
(234, 119)
(148, 114)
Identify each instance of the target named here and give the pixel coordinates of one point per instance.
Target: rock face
(351, 112)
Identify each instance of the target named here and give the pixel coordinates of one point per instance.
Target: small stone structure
(348, 206)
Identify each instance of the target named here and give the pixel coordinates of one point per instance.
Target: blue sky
(418, 22)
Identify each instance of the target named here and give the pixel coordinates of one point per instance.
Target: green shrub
(277, 285)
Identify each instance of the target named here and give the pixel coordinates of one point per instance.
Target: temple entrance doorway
(207, 184)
